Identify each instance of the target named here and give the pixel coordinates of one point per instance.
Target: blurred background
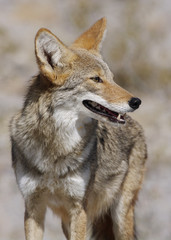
(138, 51)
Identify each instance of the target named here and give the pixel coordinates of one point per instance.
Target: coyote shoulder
(74, 149)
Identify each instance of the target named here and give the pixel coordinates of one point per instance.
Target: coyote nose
(134, 103)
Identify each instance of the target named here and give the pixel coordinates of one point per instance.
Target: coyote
(74, 149)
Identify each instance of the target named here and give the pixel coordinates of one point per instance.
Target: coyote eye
(97, 79)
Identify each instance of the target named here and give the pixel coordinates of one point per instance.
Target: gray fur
(92, 173)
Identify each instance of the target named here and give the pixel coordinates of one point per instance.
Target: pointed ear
(93, 37)
(51, 53)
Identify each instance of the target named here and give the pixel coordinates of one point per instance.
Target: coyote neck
(57, 142)
(72, 128)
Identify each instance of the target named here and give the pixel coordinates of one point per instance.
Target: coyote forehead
(91, 64)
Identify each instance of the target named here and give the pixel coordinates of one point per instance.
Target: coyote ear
(50, 53)
(93, 37)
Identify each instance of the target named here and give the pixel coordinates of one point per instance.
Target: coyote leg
(78, 224)
(34, 219)
(123, 211)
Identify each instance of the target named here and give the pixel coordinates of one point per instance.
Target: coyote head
(84, 79)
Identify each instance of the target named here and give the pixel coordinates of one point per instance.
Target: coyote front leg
(34, 218)
(78, 224)
(123, 215)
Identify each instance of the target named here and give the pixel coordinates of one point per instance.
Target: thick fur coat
(74, 149)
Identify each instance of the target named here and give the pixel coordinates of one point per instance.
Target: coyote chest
(59, 182)
(71, 187)
(59, 178)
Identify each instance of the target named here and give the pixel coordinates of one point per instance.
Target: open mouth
(103, 111)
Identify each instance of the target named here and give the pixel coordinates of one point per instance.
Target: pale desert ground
(138, 50)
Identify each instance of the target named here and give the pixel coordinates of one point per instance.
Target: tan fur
(78, 225)
(91, 39)
(114, 93)
(70, 151)
(58, 77)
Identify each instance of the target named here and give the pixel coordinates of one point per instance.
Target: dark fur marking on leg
(103, 228)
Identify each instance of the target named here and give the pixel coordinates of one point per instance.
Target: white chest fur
(71, 127)
(72, 187)
(75, 185)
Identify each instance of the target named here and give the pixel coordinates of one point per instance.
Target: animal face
(81, 72)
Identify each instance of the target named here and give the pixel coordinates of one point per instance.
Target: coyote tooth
(119, 117)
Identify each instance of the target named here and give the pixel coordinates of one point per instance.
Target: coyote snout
(66, 155)
(106, 101)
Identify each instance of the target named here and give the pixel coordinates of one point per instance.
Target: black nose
(134, 103)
